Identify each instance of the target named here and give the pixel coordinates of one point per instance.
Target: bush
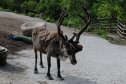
(1, 9)
(49, 19)
(68, 22)
(8, 10)
(31, 14)
(31, 5)
(101, 32)
(72, 21)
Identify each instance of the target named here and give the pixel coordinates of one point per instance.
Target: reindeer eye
(67, 45)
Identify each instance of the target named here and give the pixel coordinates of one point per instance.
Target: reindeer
(55, 44)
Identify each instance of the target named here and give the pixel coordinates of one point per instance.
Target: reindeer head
(72, 46)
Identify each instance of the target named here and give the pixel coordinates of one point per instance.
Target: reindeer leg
(58, 67)
(35, 69)
(49, 65)
(41, 63)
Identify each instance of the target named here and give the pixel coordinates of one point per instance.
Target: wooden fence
(109, 25)
(121, 30)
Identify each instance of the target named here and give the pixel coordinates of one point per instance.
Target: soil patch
(9, 26)
(116, 39)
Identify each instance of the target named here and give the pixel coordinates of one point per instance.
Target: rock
(2, 49)
(3, 55)
(29, 26)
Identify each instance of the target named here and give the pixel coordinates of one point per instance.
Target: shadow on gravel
(12, 68)
(76, 80)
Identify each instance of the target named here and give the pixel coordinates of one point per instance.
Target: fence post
(121, 29)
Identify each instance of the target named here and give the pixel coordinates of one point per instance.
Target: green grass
(49, 19)
(101, 32)
(31, 14)
(2, 9)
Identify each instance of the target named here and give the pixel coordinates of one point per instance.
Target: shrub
(31, 14)
(72, 22)
(31, 5)
(1, 9)
(49, 19)
(101, 32)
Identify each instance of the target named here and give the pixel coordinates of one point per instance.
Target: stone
(3, 55)
(29, 26)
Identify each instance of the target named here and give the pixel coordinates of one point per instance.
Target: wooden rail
(110, 26)
(121, 30)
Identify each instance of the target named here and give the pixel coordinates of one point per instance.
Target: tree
(107, 8)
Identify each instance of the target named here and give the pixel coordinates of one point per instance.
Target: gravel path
(100, 62)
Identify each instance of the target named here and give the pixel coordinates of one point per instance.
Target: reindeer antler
(86, 20)
(59, 22)
(71, 40)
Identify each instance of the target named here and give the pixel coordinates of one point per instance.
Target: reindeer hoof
(35, 72)
(42, 66)
(60, 78)
(50, 78)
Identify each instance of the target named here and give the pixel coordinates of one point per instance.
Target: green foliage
(52, 8)
(31, 5)
(41, 7)
(11, 2)
(101, 32)
(122, 4)
(1, 2)
(66, 3)
(48, 19)
(102, 9)
(1, 9)
(8, 10)
(107, 8)
(31, 14)
(73, 6)
(72, 22)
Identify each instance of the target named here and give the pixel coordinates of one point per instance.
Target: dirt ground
(9, 26)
